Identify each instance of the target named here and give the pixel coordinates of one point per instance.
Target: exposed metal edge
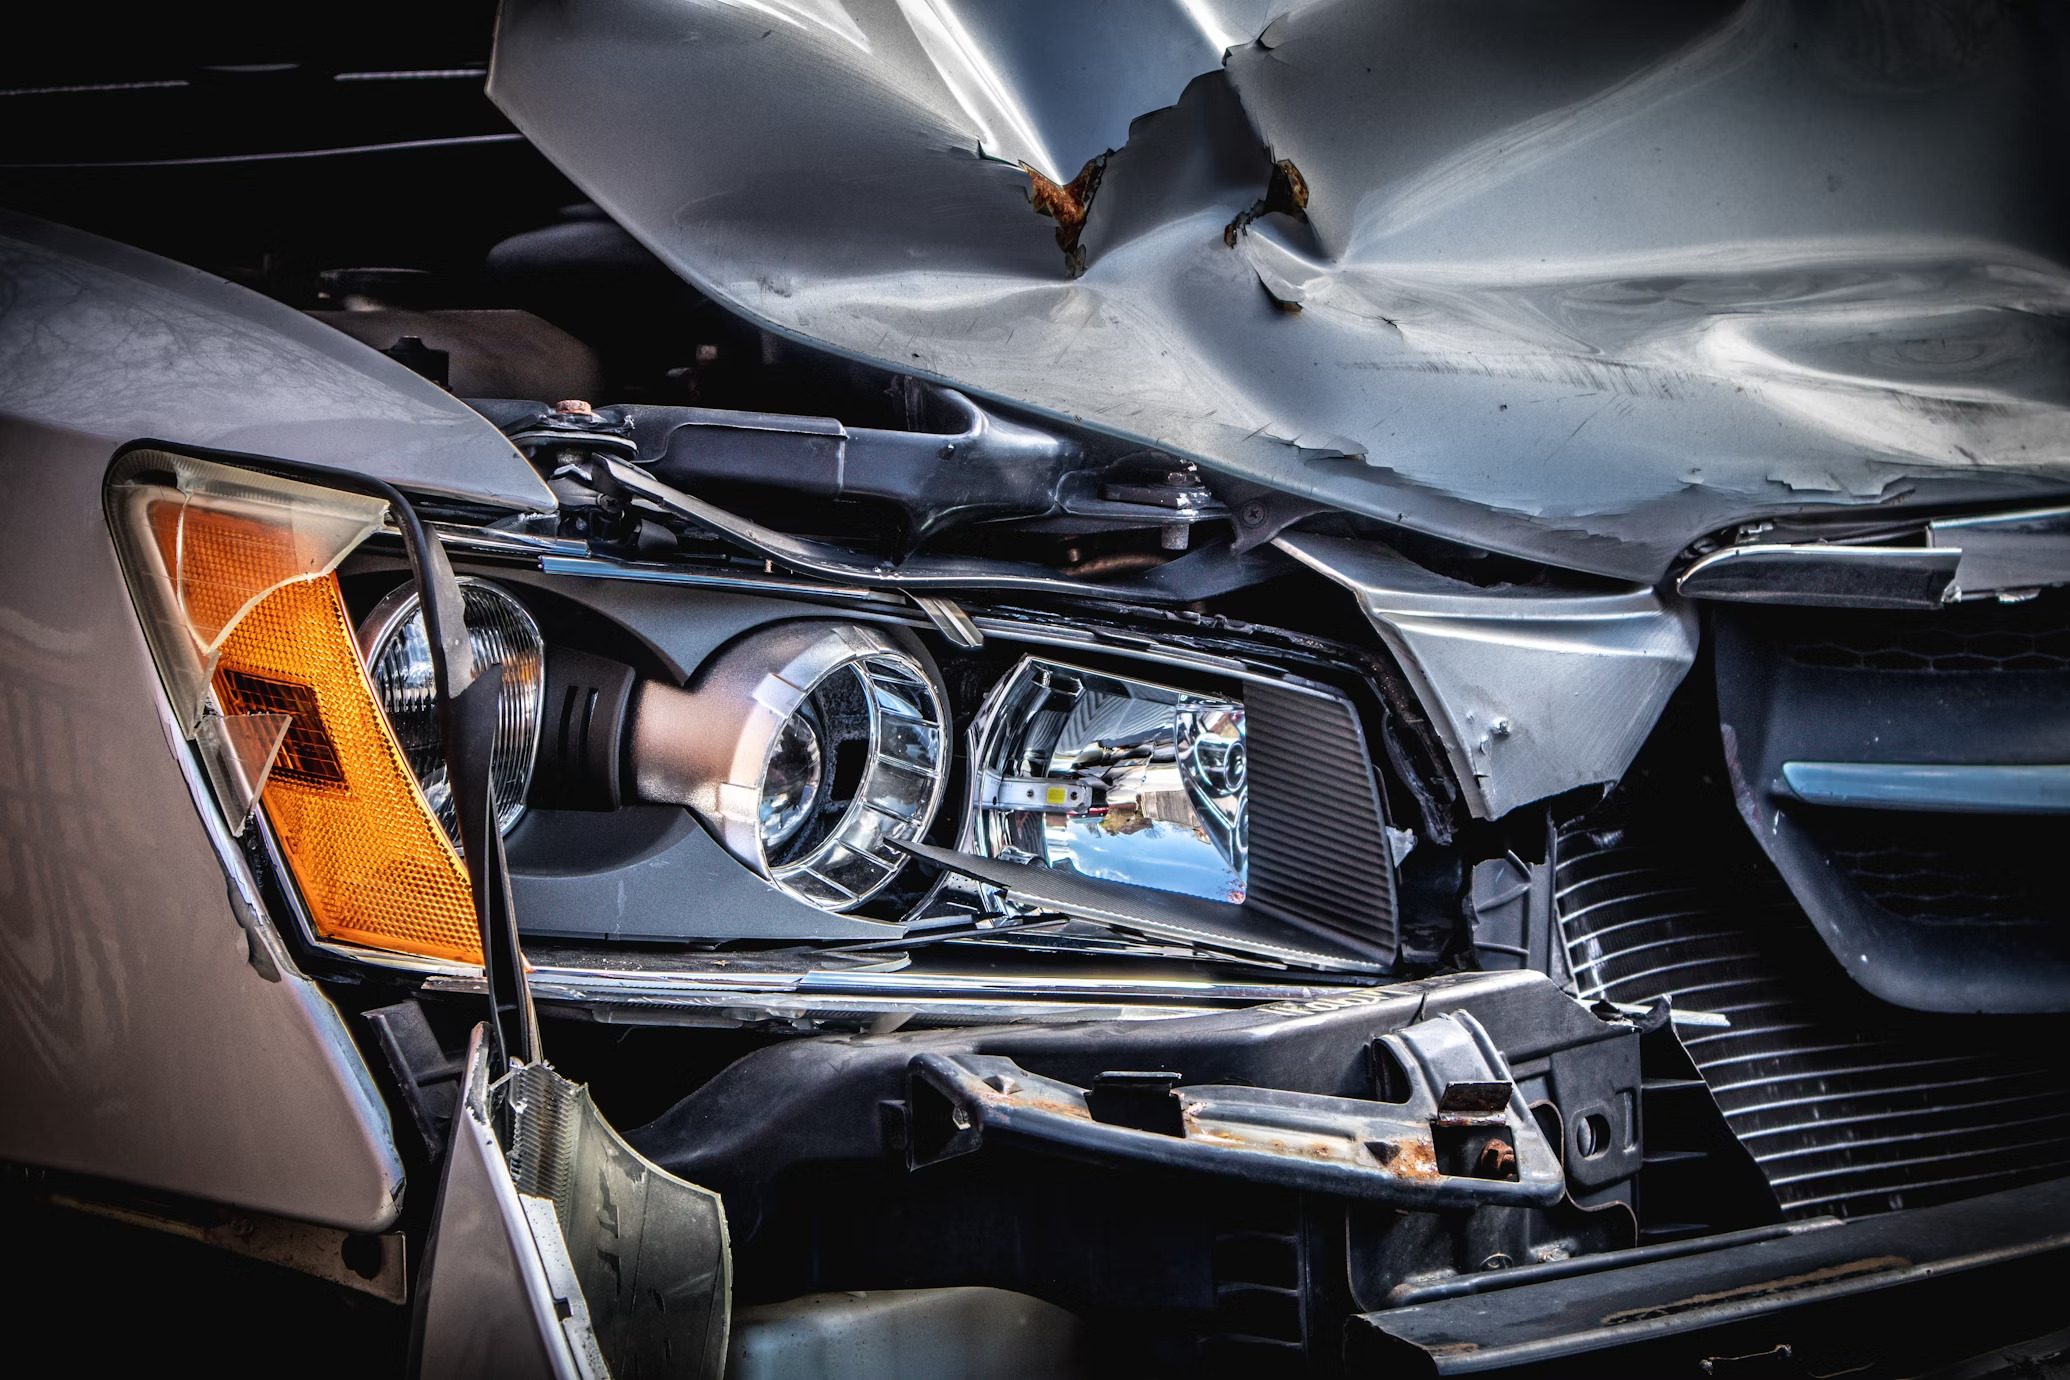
(1515, 1277)
(603, 568)
(492, 542)
(1951, 788)
(1486, 664)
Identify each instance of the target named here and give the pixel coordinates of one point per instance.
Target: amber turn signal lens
(374, 866)
(233, 574)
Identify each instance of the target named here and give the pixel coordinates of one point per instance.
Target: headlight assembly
(809, 749)
(500, 633)
(1113, 778)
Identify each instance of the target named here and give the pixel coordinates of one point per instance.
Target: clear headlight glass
(398, 661)
(1114, 778)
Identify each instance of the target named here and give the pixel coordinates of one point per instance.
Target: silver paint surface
(153, 1028)
(102, 340)
(1579, 283)
(1534, 691)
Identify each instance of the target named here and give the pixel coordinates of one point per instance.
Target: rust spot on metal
(1279, 303)
(1498, 1160)
(1025, 1100)
(1874, 1265)
(1414, 1159)
(1068, 205)
(1286, 193)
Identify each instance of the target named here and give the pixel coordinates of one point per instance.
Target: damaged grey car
(838, 688)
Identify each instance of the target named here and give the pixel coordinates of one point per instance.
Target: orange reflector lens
(233, 575)
(374, 866)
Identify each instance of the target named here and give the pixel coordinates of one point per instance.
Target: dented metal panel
(1534, 690)
(1579, 284)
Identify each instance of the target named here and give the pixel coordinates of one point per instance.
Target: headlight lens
(398, 659)
(1113, 778)
(809, 749)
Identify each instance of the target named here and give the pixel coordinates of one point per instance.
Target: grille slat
(1318, 839)
(1846, 1106)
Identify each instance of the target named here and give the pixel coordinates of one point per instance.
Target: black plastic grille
(1982, 636)
(1968, 869)
(1848, 1107)
(1318, 838)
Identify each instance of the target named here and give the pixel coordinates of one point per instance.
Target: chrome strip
(1825, 575)
(1956, 789)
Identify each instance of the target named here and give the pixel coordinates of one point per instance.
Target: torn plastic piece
(1460, 1135)
(648, 1251)
(1823, 575)
(288, 531)
(239, 751)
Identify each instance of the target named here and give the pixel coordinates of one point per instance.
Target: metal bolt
(1499, 729)
(575, 407)
(1252, 513)
(1176, 535)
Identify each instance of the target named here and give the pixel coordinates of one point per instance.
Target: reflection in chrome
(809, 749)
(1112, 778)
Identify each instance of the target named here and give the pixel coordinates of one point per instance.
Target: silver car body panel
(1534, 691)
(104, 341)
(1573, 284)
(156, 1029)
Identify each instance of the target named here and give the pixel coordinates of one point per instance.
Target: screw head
(1252, 513)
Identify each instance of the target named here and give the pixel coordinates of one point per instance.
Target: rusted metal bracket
(1460, 1134)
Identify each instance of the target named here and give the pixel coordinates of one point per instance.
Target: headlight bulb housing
(809, 749)
(398, 662)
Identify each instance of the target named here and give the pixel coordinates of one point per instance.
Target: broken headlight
(1113, 778)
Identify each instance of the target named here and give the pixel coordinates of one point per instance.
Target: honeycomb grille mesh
(1979, 637)
(1962, 869)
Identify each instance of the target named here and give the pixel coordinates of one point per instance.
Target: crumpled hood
(1578, 283)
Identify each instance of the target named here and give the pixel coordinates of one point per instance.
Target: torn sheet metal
(1579, 285)
(1534, 690)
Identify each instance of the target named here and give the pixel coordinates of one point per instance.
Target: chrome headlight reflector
(809, 749)
(1113, 778)
(398, 659)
